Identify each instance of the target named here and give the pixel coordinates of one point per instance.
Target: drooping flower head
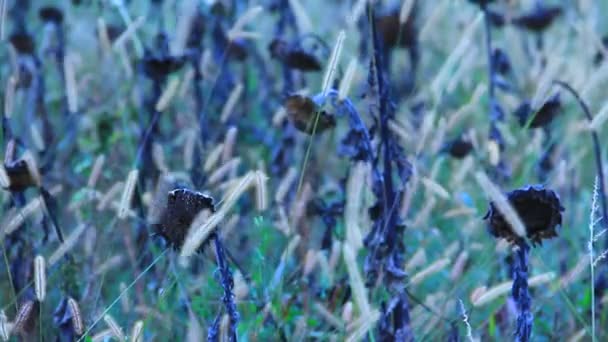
(540, 210)
(182, 207)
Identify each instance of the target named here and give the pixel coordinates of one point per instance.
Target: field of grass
(304, 170)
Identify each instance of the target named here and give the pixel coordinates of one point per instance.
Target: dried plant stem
(521, 294)
(596, 150)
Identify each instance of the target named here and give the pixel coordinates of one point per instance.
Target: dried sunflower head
(539, 209)
(539, 19)
(51, 14)
(182, 207)
(302, 111)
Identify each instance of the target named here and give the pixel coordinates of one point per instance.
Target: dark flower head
(496, 18)
(539, 209)
(293, 56)
(395, 34)
(237, 49)
(540, 117)
(458, 148)
(182, 207)
(159, 67)
(481, 2)
(22, 42)
(19, 175)
(302, 112)
(500, 62)
(599, 56)
(51, 14)
(539, 19)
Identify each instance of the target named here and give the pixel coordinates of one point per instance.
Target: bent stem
(596, 150)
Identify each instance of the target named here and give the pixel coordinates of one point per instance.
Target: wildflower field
(304, 170)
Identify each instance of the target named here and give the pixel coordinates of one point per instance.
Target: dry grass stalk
(501, 202)
(114, 327)
(158, 156)
(77, 322)
(40, 278)
(70, 84)
(198, 234)
(229, 142)
(168, 94)
(356, 12)
(16, 220)
(195, 331)
(137, 333)
(302, 19)
(328, 79)
(578, 336)
(106, 199)
(5, 181)
(102, 35)
(213, 157)
(459, 265)
(224, 170)
(127, 195)
(125, 61)
(299, 205)
(67, 245)
(435, 188)
(356, 281)
(241, 289)
(505, 287)
(347, 80)
(328, 316)
(286, 183)
(23, 316)
(96, 171)
(102, 336)
(5, 331)
(2, 18)
(189, 146)
(400, 131)
(354, 192)
(310, 261)
(336, 252)
(600, 118)
(406, 10)
(129, 33)
(366, 323)
(247, 17)
(347, 312)
(279, 117)
(124, 300)
(233, 99)
(9, 96)
(416, 260)
(456, 55)
(431, 269)
(37, 137)
(187, 12)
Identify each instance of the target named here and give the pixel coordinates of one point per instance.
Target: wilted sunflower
(182, 207)
(302, 112)
(22, 42)
(542, 116)
(51, 14)
(539, 19)
(293, 56)
(539, 209)
(458, 148)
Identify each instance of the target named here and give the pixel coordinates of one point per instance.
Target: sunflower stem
(521, 294)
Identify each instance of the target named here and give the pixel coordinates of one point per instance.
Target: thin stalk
(521, 294)
(597, 152)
